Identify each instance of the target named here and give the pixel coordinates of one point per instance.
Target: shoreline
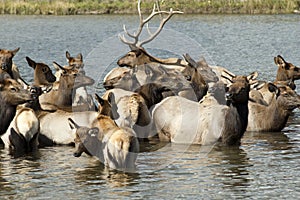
(95, 7)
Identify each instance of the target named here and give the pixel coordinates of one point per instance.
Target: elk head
(238, 91)
(42, 73)
(75, 62)
(86, 139)
(108, 107)
(13, 92)
(6, 62)
(286, 71)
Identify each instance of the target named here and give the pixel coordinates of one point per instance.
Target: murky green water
(265, 166)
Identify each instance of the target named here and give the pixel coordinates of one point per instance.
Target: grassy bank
(72, 7)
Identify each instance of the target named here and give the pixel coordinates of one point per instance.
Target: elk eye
(13, 89)
(188, 78)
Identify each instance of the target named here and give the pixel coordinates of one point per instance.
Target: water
(266, 165)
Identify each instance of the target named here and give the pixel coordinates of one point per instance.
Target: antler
(155, 11)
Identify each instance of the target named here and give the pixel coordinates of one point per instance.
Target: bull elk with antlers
(138, 55)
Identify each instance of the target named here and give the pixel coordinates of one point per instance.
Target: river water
(266, 165)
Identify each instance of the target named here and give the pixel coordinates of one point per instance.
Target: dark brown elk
(11, 95)
(286, 71)
(61, 96)
(6, 62)
(43, 75)
(183, 121)
(273, 115)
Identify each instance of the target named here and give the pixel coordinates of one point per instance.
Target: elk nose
(76, 154)
(228, 96)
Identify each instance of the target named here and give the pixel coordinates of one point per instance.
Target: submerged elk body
(182, 121)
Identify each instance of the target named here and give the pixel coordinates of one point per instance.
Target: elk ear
(14, 52)
(93, 132)
(72, 124)
(58, 66)
(111, 98)
(17, 140)
(252, 76)
(273, 88)
(79, 56)
(279, 61)
(190, 60)
(68, 56)
(30, 62)
(99, 99)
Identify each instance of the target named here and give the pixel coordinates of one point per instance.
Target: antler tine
(135, 36)
(162, 23)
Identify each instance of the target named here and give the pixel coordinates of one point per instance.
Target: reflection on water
(265, 166)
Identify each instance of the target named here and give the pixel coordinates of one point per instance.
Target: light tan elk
(61, 96)
(180, 120)
(286, 71)
(81, 97)
(116, 147)
(273, 115)
(54, 128)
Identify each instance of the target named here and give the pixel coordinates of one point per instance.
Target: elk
(115, 146)
(22, 134)
(273, 115)
(54, 129)
(11, 95)
(183, 121)
(61, 96)
(81, 97)
(138, 55)
(286, 71)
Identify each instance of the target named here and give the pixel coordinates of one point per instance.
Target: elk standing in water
(116, 147)
(273, 115)
(182, 121)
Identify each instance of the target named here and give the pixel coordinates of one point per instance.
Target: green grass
(71, 7)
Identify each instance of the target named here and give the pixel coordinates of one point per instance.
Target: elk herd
(147, 98)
